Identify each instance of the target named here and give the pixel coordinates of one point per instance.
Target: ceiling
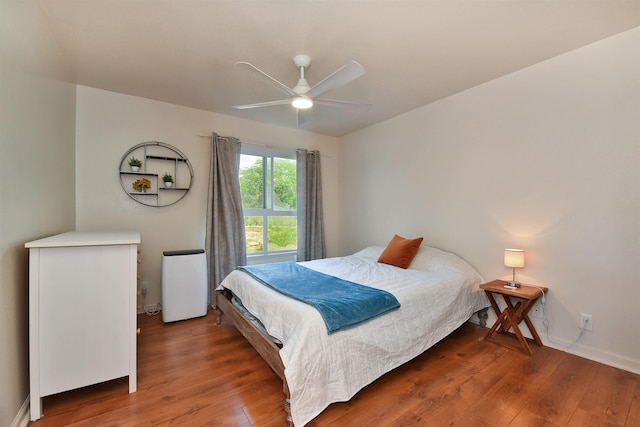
(414, 52)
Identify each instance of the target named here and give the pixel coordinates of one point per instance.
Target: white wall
(109, 124)
(37, 114)
(546, 159)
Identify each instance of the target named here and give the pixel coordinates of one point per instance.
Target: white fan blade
(265, 78)
(343, 105)
(349, 72)
(262, 104)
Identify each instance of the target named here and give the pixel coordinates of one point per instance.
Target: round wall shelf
(145, 184)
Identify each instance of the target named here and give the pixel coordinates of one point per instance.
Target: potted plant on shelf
(168, 180)
(135, 164)
(141, 185)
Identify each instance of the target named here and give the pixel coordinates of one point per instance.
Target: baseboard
(577, 349)
(597, 355)
(22, 417)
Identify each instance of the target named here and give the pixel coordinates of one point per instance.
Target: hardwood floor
(193, 373)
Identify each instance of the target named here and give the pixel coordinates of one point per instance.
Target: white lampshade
(302, 102)
(514, 258)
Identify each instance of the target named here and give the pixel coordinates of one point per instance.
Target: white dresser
(82, 311)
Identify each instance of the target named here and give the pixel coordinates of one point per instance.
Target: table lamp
(513, 258)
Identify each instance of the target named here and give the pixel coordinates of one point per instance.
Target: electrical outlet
(144, 288)
(586, 322)
(536, 310)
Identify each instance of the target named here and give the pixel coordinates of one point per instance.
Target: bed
(437, 293)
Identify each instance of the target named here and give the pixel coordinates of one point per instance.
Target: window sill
(254, 259)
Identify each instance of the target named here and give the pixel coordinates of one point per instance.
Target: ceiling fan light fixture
(302, 102)
(302, 96)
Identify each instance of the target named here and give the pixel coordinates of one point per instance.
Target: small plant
(135, 162)
(141, 185)
(167, 177)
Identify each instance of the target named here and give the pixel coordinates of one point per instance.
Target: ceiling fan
(302, 96)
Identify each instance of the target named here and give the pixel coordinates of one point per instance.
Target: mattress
(437, 293)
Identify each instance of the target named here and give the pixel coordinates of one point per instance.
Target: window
(268, 188)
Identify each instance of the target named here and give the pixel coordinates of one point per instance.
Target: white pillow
(427, 259)
(372, 252)
(433, 259)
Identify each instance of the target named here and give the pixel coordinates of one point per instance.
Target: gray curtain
(225, 243)
(310, 218)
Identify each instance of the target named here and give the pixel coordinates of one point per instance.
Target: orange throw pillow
(400, 251)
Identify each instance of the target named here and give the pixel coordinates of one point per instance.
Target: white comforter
(437, 294)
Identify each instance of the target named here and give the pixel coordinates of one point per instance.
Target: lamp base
(512, 285)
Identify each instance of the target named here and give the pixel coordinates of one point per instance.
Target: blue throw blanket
(341, 303)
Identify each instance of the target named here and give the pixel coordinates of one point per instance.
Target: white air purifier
(184, 285)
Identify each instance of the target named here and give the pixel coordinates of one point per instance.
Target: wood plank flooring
(193, 373)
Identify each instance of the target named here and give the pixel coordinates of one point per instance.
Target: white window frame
(267, 211)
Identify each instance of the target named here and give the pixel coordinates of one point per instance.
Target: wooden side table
(513, 315)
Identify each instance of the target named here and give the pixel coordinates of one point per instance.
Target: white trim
(253, 259)
(22, 417)
(612, 359)
(577, 349)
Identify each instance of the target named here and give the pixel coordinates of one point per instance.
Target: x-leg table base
(513, 314)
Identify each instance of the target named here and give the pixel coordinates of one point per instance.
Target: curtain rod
(258, 144)
(202, 135)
